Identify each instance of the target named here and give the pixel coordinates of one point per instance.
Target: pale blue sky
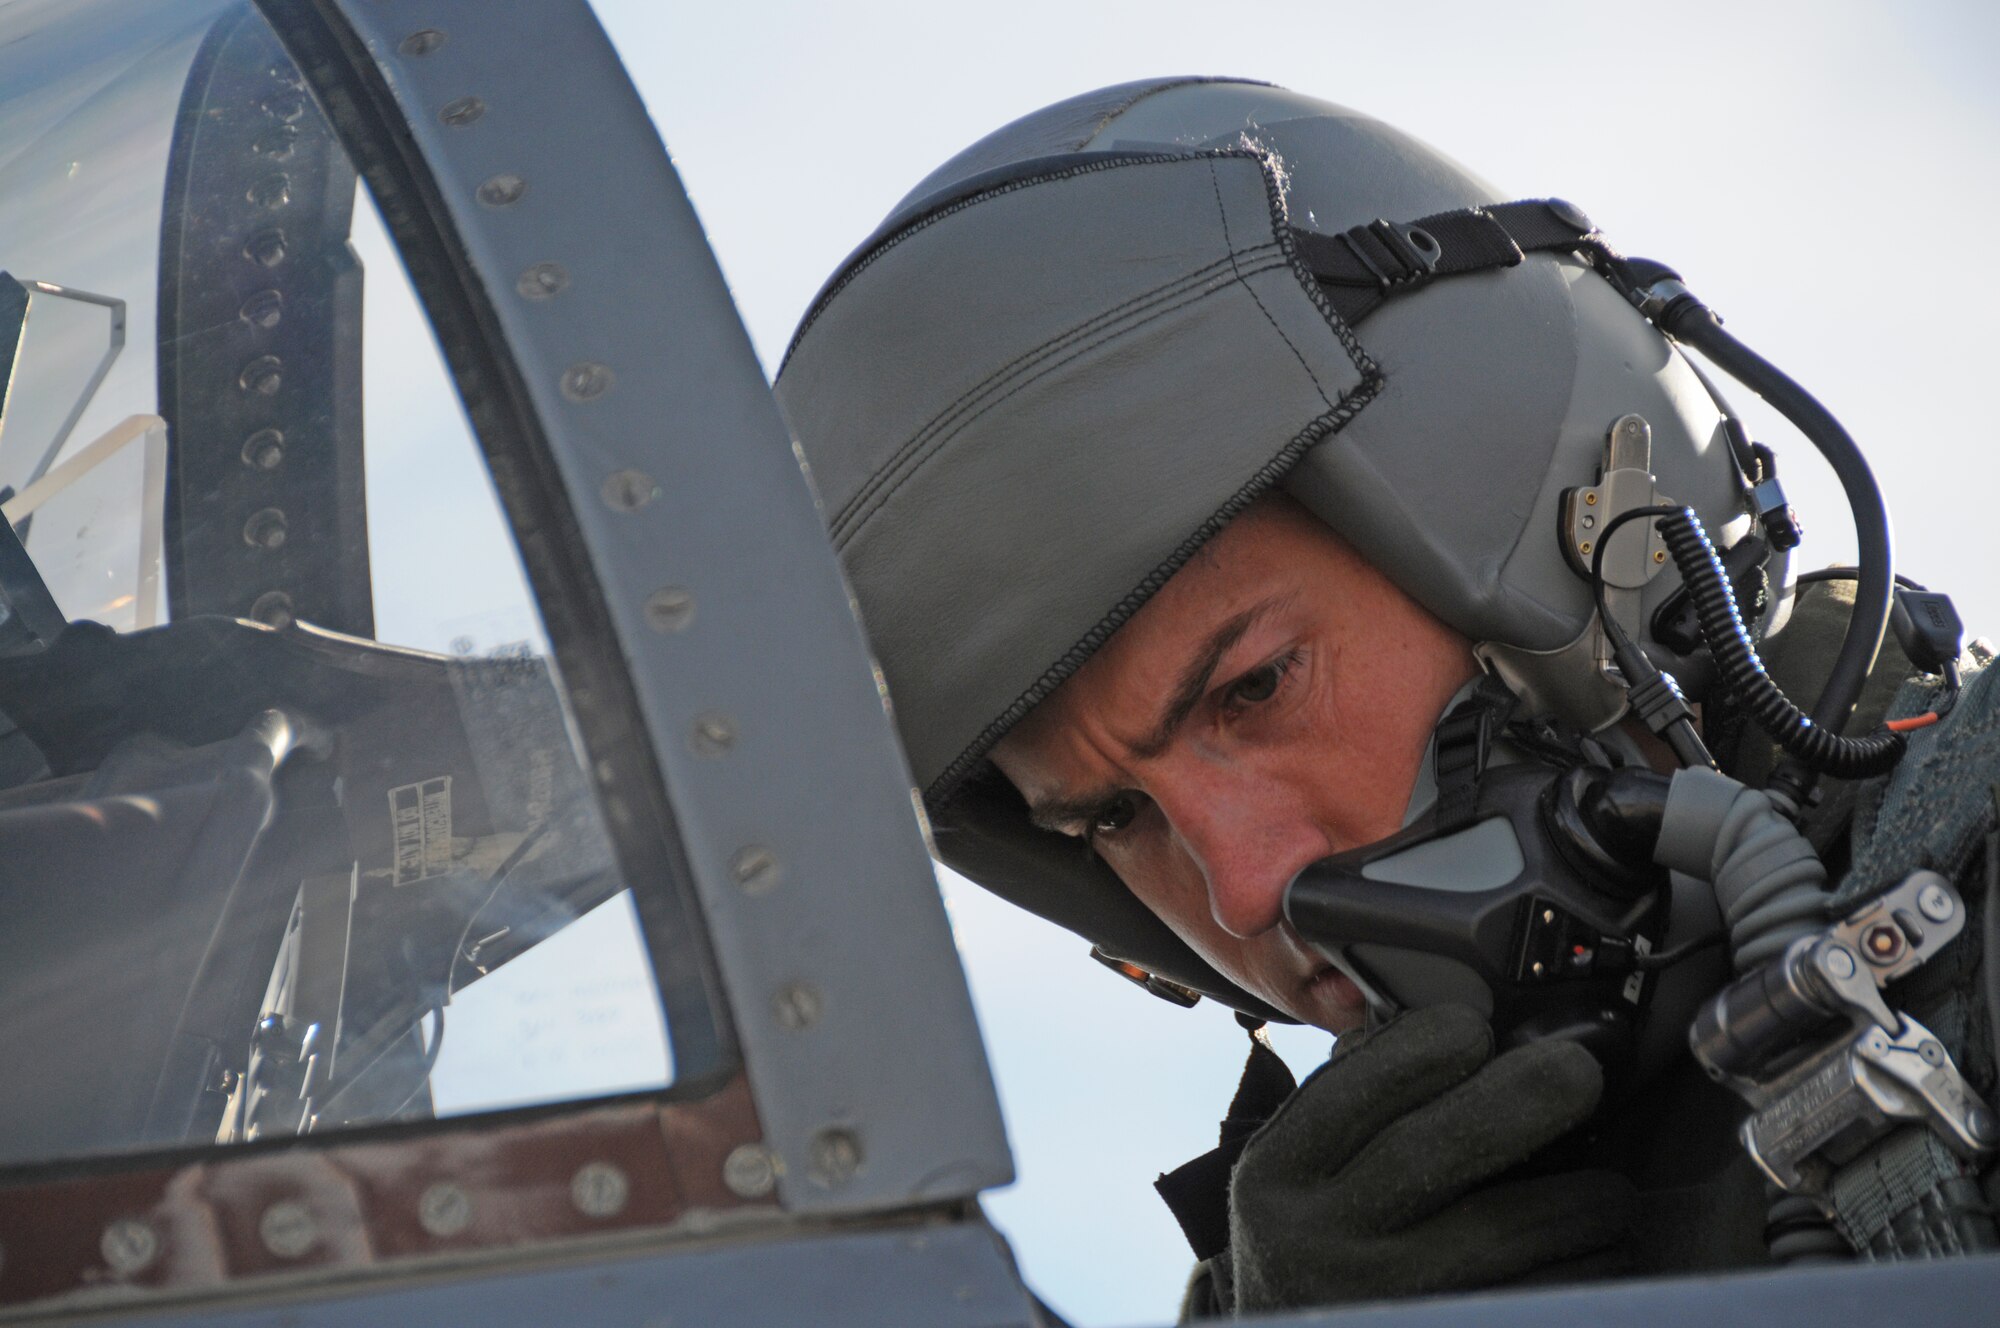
(1817, 171)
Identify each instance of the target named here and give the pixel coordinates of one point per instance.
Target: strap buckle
(1399, 255)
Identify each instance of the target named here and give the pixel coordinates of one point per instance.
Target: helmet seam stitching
(1095, 323)
(852, 527)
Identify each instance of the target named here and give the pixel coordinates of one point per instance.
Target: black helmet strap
(1362, 267)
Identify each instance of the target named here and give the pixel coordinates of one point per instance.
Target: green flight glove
(1377, 1178)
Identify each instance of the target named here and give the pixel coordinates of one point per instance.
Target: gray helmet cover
(1077, 349)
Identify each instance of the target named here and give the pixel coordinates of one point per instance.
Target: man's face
(1267, 707)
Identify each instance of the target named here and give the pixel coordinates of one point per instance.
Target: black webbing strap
(1361, 268)
(1198, 1192)
(1460, 746)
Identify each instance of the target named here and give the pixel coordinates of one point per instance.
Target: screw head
(750, 1171)
(502, 190)
(542, 281)
(263, 310)
(287, 1229)
(1934, 902)
(798, 1006)
(713, 734)
(273, 191)
(1838, 962)
(264, 449)
(462, 112)
(599, 1189)
(1659, 555)
(836, 1156)
(263, 376)
(266, 248)
(629, 490)
(586, 381)
(669, 609)
(273, 608)
(1932, 1052)
(444, 1209)
(279, 143)
(423, 42)
(755, 868)
(266, 529)
(129, 1246)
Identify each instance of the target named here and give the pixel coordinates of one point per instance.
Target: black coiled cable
(1728, 640)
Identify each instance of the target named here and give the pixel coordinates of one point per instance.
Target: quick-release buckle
(1398, 255)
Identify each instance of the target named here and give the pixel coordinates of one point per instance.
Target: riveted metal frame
(633, 431)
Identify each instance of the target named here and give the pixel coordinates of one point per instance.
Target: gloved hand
(1376, 1178)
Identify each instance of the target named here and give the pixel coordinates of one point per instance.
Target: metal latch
(1826, 1065)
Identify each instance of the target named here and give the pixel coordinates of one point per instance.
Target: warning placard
(420, 820)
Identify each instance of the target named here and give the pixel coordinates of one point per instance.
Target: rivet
(586, 381)
(129, 1246)
(599, 1189)
(273, 608)
(629, 490)
(1584, 547)
(1838, 961)
(279, 143)
(462, 112)
(273, 191)
(1659, 555)
(1589, 522)
(263, 376)
(836, 1156)
(750, 1171)
(1932, 1052)
(669, 609)
(502, 190)
(1548, 915)
(266, 529)
(264, 449)
(1539, 968)
(265, 309)
(287, 1229)
(713, 734)
(755, 868)
(1934, 903)
(798, 1006)
(266, 248)
(1590, 500)
(422, 42)
(542, 281)
(444, 1209)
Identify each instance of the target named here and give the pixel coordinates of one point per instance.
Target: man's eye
(1260, 684)
(1115, 815)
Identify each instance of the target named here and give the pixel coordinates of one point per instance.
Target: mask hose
(1679, 313)
(1728, 640)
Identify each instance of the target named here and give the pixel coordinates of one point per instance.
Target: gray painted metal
(757, 691)
(1942, 1293)
(957, 1276)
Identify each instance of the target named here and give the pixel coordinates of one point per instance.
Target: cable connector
(1775, 514)
(1659, 703)
(1928, 628)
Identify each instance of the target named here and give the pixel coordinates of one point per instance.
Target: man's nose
(1248, 842)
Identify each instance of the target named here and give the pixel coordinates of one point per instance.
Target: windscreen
(294, 834)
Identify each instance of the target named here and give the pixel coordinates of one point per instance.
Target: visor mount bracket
(1625, 481)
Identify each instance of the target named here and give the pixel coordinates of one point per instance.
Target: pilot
(1185, 487)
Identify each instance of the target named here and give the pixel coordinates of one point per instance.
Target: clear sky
(1822, 173)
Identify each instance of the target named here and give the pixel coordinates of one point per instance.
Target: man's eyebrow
(1061, 813)
(1197, 673)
